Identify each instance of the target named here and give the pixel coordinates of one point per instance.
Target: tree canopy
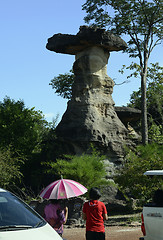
(63, 84)
(140, 20)
(20, 128)
(154, 94)
(21, 134)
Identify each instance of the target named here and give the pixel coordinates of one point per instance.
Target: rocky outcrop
(128, 114)
(129, 117)
(90, 116)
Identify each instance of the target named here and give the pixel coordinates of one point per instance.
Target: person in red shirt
(94, 212)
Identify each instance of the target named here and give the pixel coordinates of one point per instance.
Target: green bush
(155, 133)
(89, 170)
(131, 178)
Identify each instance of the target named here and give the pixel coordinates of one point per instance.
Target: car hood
(41, 233)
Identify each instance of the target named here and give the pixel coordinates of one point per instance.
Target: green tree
(20, 128)
(141, 21)
(63, 84)
(131, 178)
(9, 168)
(23, 131)
(154, 100)
(154, 93)
(89, 170)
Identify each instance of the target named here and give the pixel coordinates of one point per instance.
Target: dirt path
(112, 233)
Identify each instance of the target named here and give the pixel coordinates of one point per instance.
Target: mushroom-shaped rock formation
(90, 116)
(85, 38)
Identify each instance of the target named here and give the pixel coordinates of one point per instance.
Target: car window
(14, 212)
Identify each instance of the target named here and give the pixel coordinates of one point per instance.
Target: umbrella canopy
(62, 189)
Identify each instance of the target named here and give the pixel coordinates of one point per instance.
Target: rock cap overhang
(85, 38)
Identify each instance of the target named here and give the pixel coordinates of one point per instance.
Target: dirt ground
(112, 233)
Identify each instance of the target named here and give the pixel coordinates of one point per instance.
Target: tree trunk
(144, 103)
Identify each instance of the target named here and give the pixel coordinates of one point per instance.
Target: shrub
(131, 179)
(87, 169)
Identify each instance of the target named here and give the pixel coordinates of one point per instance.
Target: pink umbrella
(63, 188)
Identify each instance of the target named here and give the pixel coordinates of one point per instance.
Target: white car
(18, 221)
(152, 215)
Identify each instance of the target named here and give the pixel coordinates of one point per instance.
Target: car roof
(2, 190)
(154, 172)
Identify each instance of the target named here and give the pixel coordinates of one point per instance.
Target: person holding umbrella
(56, 215)
(56, 192)
(94, 212)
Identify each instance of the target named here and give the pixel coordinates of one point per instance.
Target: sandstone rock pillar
(90, 116)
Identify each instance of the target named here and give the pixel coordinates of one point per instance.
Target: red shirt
(94, 211)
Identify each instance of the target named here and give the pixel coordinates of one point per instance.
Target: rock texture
(90, 116)
(86, 37)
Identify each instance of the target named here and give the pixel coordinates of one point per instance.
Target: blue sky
(27, 67)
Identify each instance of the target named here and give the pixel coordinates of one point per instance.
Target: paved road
(112, 233)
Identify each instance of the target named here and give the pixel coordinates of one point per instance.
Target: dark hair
(54, 201)
(94, 193)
